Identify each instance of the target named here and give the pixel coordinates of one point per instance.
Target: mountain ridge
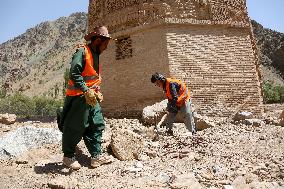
(270, 45)
(41, 54)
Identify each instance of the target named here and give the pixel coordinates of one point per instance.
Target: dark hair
(101, 37)
(157, 77)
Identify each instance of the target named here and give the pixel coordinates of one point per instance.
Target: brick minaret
(206, 43)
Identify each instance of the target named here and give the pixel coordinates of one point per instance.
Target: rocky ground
(225, 156)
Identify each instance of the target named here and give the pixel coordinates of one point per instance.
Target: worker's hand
(172, 107)
(99, 96)
(91, 97)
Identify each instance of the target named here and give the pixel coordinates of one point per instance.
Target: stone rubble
(26, 138)
(126, 145)
(243, 115)
(203, 122)
(227, 155)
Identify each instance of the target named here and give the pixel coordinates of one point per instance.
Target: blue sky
(19, 15)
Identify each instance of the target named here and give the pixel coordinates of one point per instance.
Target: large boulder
(23, 139)
(203, 122)
(126, 145)
(8, 119)
(151, 115)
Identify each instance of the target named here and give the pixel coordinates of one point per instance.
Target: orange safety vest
(89, 74)
(183, 93)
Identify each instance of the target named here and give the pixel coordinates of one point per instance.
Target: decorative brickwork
(206, 43)
(123, 48)
(122, 14)
(218, 64)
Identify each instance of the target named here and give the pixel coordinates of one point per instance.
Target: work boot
(100, 160)
(71, 163)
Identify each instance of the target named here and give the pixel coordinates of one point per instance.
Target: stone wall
(206, 43)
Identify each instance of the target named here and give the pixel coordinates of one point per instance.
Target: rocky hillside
(271, 51)
(35, 61)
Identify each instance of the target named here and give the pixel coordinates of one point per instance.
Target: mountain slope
(271, 51)
(35, 61)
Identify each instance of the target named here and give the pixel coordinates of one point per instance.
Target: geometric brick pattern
(206, 43)
(119, 15)
(218, 65)
(123, 48)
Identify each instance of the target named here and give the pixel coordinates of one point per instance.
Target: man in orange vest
(82, 116)
(178, 100)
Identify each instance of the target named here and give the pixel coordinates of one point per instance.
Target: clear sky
(269, 13)
(16, 16)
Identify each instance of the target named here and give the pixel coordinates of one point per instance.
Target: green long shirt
(78, 118)
(77, 67)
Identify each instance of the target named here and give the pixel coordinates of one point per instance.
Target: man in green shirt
(82, 116)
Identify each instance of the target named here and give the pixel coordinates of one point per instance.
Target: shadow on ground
(58, 168)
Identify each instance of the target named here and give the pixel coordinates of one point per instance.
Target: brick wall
(217, 63)
(208, 44)
(126, 82)
(219, 66)
(119, 15)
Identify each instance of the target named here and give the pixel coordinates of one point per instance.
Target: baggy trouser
(82, 121)
(186, 111)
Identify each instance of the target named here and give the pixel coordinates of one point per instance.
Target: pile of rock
(126, 145)
(247, 119)
(23, 139)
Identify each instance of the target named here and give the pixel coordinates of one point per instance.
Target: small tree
(45, 106)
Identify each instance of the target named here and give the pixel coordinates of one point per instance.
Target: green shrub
(273, 94)
(17, 104)
(26, 107)
(45, 106)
